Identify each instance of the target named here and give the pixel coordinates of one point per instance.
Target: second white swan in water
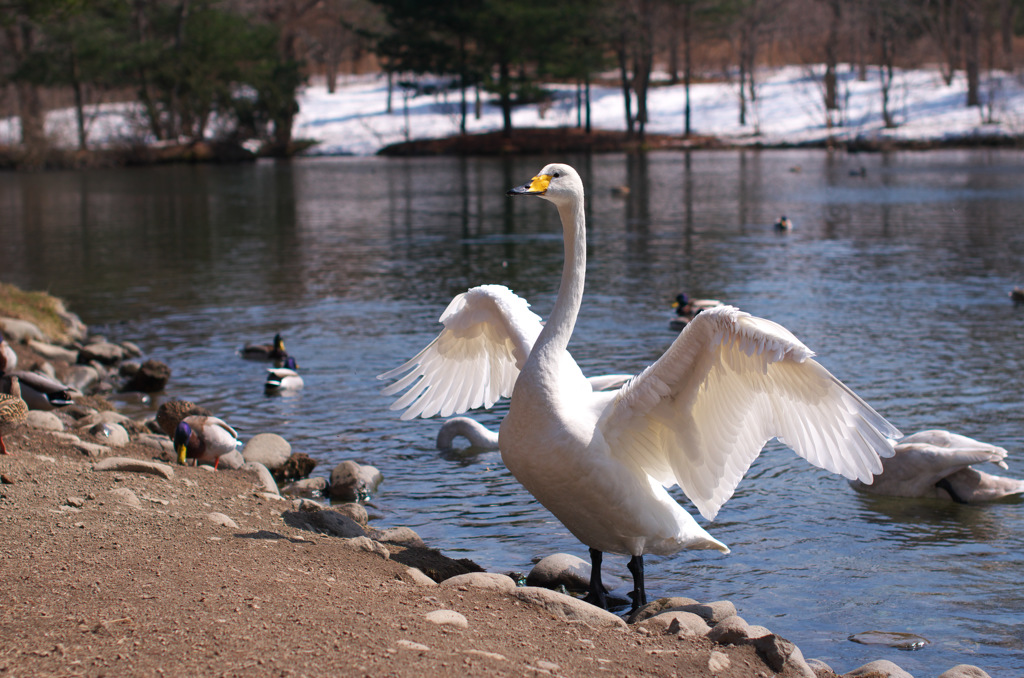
(600, 460)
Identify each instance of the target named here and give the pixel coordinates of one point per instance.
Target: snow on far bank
(789, 110)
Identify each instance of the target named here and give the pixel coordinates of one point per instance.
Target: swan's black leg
(944, 484)
(636, 568)
(596, 593)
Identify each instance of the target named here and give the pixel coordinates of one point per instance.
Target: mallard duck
(600, 460)
(783, 224)
(687, 308)
(937, 463)
(13, 412)
(204, 439)
(274, 351)
(286, 378)
(42, 392)
(171, 412)
(8, 358)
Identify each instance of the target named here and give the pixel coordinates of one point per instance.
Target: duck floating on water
(939, 464)
(783, 224)
(272, 351)
(1017, 295)
(601, 461)
(13, 412)
(687, 309)
(283, 379)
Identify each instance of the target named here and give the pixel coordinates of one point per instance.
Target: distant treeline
(230, 69)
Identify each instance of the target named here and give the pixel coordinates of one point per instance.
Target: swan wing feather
(729, 383)
(475, 360)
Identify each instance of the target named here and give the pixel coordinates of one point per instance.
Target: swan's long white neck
(554, 338)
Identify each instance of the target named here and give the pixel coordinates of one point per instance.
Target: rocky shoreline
(118, 560)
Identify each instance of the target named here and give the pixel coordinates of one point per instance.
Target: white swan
(600, 460)
(481, 437)
(937, 463)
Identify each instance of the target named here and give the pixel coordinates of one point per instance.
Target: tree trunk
(505, 90)
(1007, 12)
(624, 78)
(586, 95)
(687, 65)
(21, 40)
(972, 51)
(76, 88)
(832, 58)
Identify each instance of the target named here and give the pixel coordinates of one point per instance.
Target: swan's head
(556, 182)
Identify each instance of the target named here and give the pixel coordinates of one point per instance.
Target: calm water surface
(898, 279)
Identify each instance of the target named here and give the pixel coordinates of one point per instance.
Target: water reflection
(897, 277)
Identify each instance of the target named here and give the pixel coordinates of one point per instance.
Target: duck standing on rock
(273, 351)
(601, 461)
(42, 392)
(13, 412)
(283, 379)
(8, 358)
(204, 439)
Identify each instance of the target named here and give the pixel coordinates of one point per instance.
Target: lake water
(897, 277)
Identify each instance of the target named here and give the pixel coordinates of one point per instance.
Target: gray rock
(307, 487)
(111, 435)
(404, 536)
(411, 645)
(316, 518)
(266, 479)
(104, 417)
(354, 511)
(353, 482)
(675, 622)
(20, 331)
(122, 495)
(151, 377)
(129, 465)
(233, 460)
(718, 661)
(964, 671)
(481, 580)
(447, 618)
(82, 377)
(268, 449)
(729, 631)
(52, 352)
(712, 613)
(157, 442)
(560, 569)
(820, 668)
(414, 575)
(658, 606)
(369, 545)
(77, 502)
(44, 421)
(880, 668)
(566, 607)
(102, 352)
(131, 349)
(92, 449)
(220, 519)
(781, 655)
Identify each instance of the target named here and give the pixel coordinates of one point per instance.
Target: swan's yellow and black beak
(537, 186)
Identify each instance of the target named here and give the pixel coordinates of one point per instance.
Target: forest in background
(230, 70)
